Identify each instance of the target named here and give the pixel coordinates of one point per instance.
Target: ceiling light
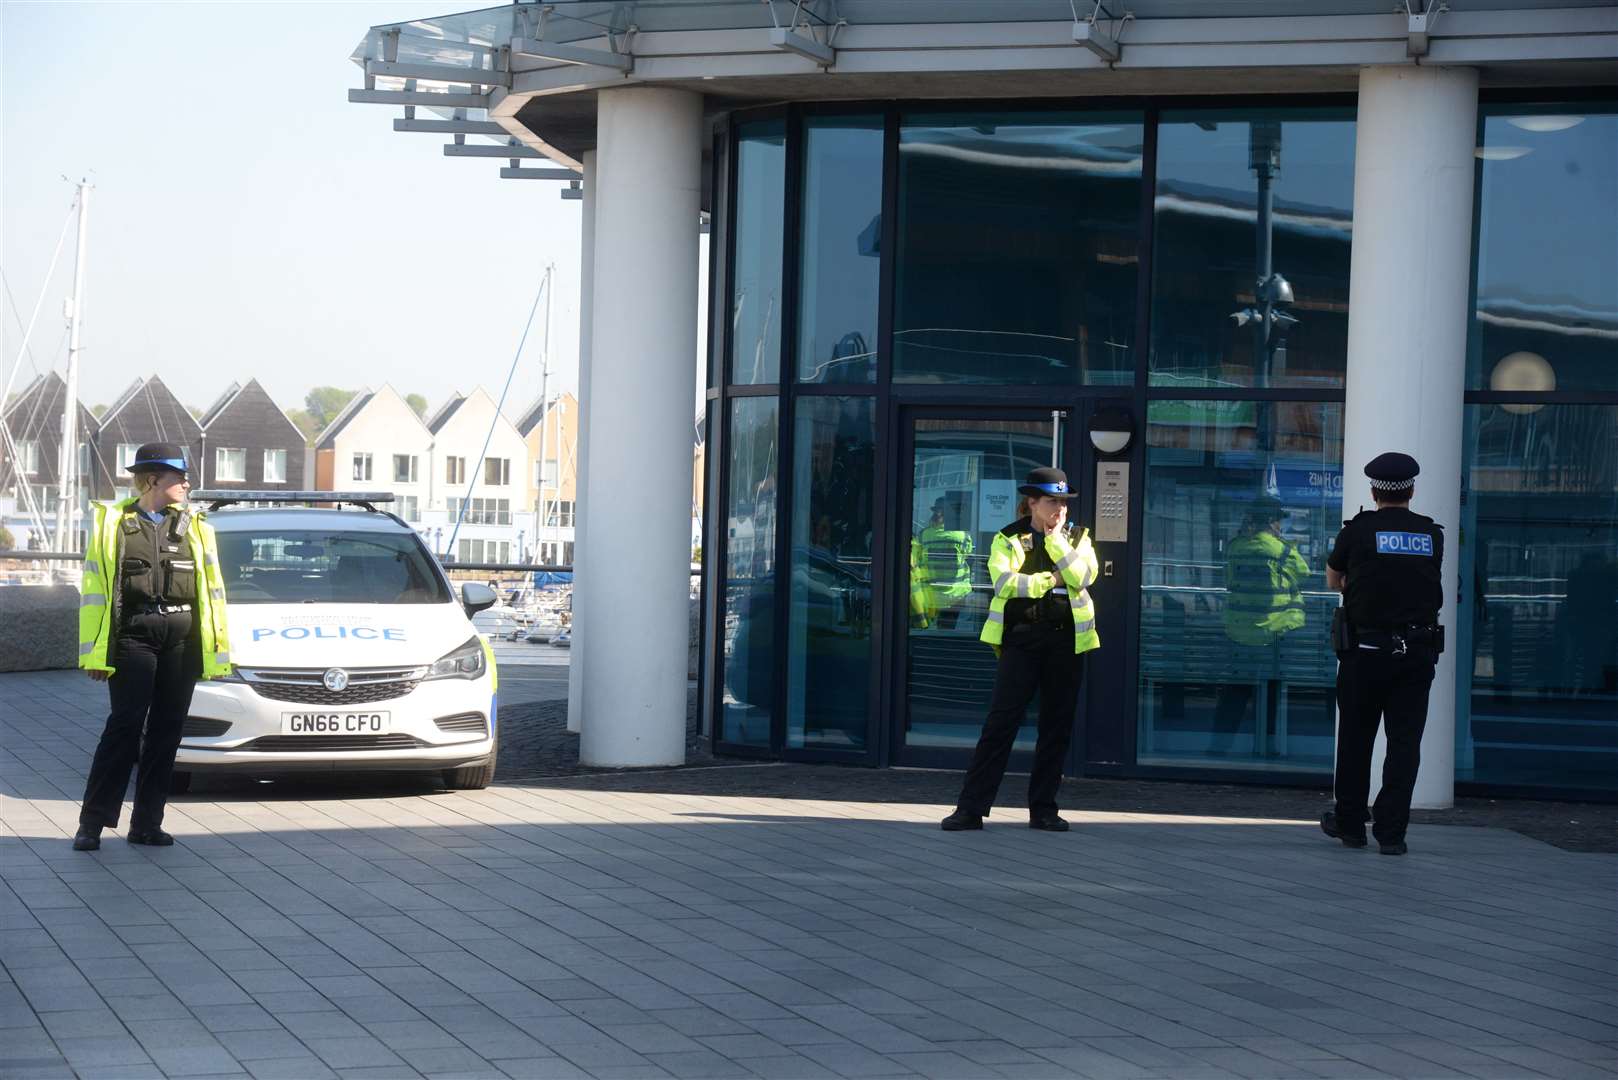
(1544, 123)
(1502, 153)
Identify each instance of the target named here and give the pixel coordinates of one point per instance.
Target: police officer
(1041, 623)
(1387, 563)
(947, 551)
(151, 621)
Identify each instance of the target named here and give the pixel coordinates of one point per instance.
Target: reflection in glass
(1018, 248)
(1253, 219)
(748, 634)
(1547, 260)
(755, 301)
(964, 491)
(829, 629)
(842, 230)
(1538, 620)
(1242, 505)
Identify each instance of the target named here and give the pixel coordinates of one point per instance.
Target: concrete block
(39, 627)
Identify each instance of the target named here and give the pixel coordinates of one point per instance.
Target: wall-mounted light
(1111, 428)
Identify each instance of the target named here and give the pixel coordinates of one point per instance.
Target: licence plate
(335, 723)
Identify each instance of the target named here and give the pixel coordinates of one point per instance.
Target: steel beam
(570, 54)
(417, 97)
(452, 127)
(447, 73)
(517, 173)
(489, 150)
(810, 49)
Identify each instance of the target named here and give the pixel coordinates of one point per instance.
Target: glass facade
(1243, 501)
(1252, 219)
(749, 625)
(840, 246)
(1546, 316)
(755, 300)
(1017, 248)
(829, 619)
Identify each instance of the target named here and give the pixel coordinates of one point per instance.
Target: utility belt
(153, 607)
(1049, 612)
(1395, 640)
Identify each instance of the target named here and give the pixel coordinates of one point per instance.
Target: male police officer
(1387, 563)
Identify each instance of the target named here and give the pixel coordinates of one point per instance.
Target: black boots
(962, 820)
(1351, 838)
(150, 837)
(88, 838)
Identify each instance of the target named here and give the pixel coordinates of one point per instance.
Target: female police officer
(1041, 623)
(151, 621)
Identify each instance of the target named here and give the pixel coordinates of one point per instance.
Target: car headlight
(465, 662)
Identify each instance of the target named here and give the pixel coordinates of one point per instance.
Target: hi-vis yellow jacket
(1075, 560)
(99, 594)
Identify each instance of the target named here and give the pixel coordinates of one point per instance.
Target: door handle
(1106, 568)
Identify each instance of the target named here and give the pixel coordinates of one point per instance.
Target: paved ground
(572, 927)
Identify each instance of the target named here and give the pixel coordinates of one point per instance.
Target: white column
(579, 644)
(1407, 323)
(638, 502)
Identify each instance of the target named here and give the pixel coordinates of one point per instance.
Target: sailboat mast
(67, 475)
(542, 524)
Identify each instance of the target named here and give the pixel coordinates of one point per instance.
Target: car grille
(196, 727)
(470, 722)
(304, 686)
(280, 744)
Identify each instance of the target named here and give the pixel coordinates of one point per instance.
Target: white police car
(351, 648)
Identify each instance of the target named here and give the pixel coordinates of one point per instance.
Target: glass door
(961, 488)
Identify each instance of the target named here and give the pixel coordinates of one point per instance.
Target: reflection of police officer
(1387, 562)
(1263, 603)
(946, 550)
(1041, 623)
(152, 619)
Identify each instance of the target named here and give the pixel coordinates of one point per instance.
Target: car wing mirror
(476, 596)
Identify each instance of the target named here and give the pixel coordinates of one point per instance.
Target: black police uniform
(1387, 640)
(157, 656)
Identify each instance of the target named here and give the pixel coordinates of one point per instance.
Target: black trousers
(1374, 686)
(1035, 659)
(157, 662)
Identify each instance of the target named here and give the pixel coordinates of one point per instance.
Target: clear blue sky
(248, 222)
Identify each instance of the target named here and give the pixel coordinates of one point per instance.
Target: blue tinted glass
(1253, 217)
(755, 299)
(1017, 248)
(1547, 256)
(1538, 618)
(748, 636)
(1243, 501)
(842, 230)
(829, 638)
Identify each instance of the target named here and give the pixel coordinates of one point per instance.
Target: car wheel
(179, 783)
(473, 777)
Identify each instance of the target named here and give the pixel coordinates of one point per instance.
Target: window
(755, 301)
(497, 471)
(404, 468)
(545, 474)
(1018, 247)
(126, 456)
(28, 457)
(362, 466)
(750, 599)
(455, 470)
(275, 466)
(292, 566)
(408, 508)
(504, 553)
(841, 235)
(559, 513)
(1243, 502)
(230, 464)
(1214, 322)
(84, 459)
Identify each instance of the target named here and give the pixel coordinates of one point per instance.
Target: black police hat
(1267, 508)
(1047, 482)
(1392, 471)
(156, 456)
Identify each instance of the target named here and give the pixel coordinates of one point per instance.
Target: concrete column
(1407, 323)
(579, 644)
(638, 502)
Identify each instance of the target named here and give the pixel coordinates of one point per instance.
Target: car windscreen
(305, 566)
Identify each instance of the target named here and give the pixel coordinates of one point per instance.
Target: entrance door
(961, 487)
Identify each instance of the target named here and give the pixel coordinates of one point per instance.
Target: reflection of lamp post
(1272, 291)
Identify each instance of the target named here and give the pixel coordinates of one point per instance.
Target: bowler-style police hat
(156, 456)
(1392, 471)
(1047, 482)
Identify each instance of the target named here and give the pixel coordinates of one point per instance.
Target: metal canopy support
(414, 97)
(511, 150)
(517, 172)
(451, 127)
(798, 36)
(1420, 26)
(571, 54)
(444, 73)
(1099, 39)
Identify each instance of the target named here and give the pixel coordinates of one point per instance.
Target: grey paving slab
(369, 927)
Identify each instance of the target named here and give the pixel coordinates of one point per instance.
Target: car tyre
(179, 783)
(473, 777)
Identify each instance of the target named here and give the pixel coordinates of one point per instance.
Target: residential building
(1198, 255)
(30, 477)
(480, 493)
(249, 443)
(146, 412)
(553, 477)
(378, 443)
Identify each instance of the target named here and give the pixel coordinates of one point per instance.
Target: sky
(248, 222)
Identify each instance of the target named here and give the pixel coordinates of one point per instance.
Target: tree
(98, 411)
(306, 423)
(418, 403)
(325, 402)
(7, 541)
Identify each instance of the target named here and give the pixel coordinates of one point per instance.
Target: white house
(479, 497)
(377, 443)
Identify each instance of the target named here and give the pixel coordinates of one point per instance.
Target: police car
(351, 648)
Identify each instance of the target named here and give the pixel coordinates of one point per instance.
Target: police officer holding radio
(151, 622)
(1041, 622)
(1388, 564)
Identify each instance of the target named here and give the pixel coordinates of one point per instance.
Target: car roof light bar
(367, 500)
